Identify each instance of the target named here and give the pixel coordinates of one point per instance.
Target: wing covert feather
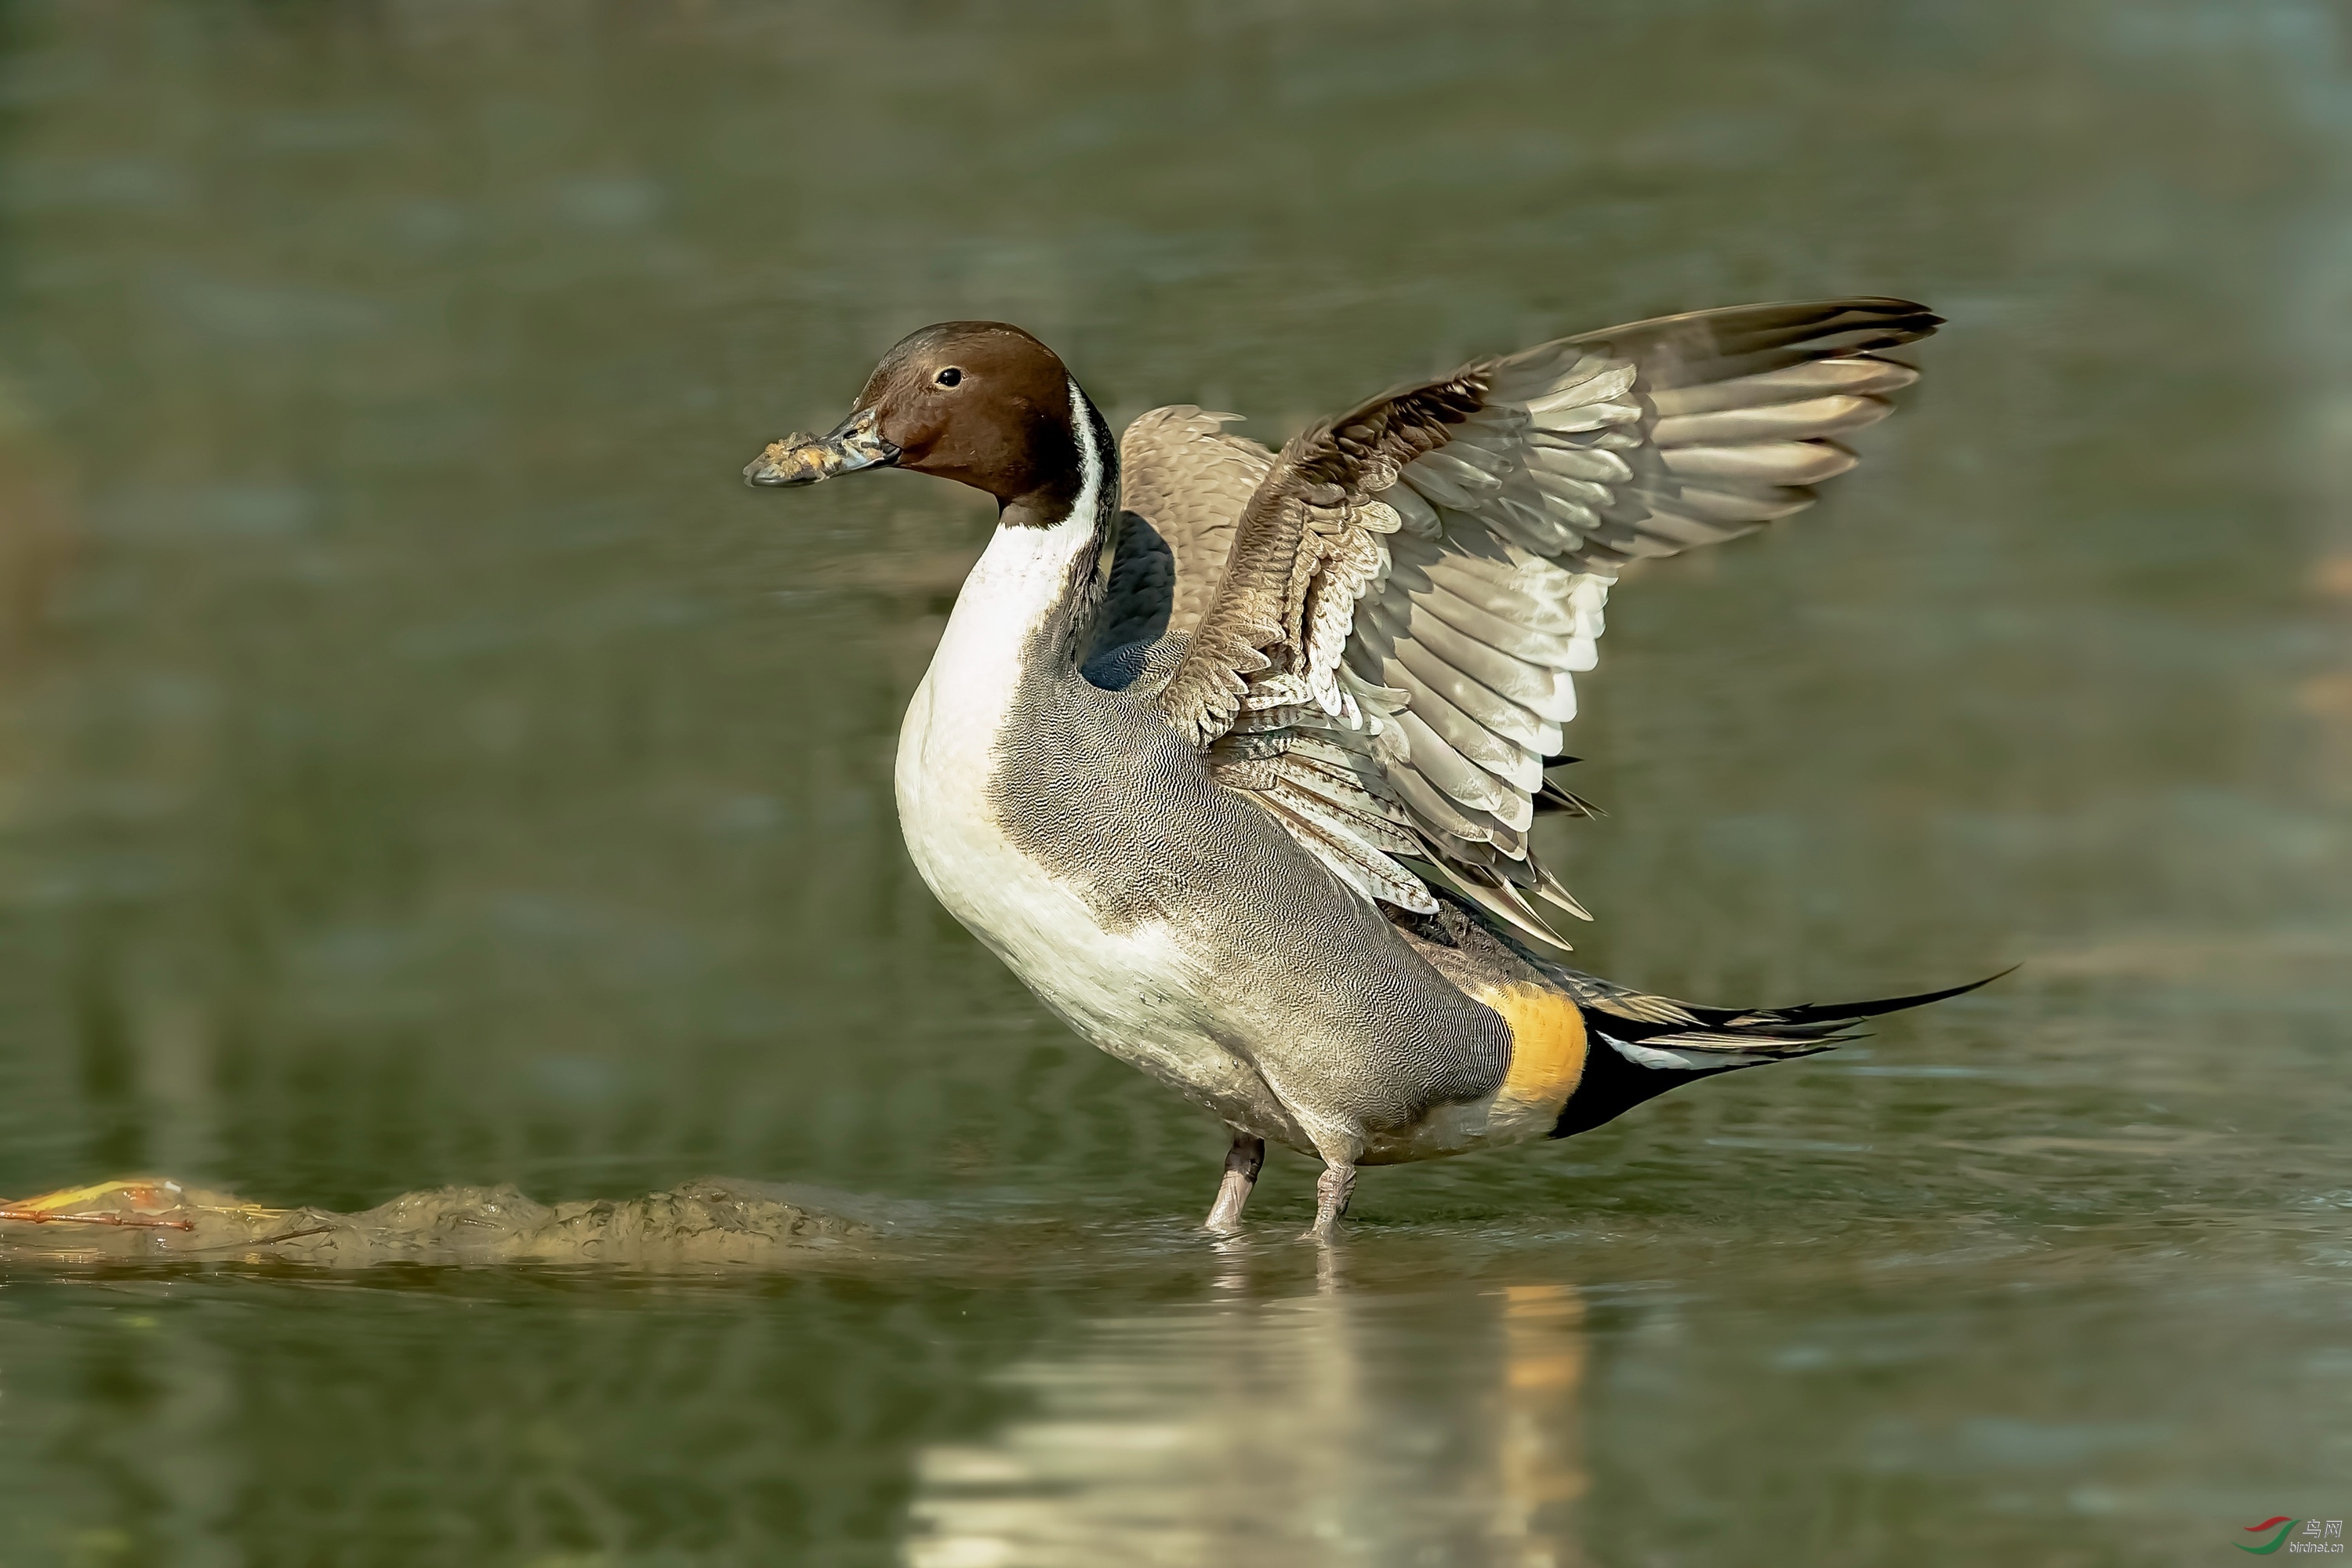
(1181, 472)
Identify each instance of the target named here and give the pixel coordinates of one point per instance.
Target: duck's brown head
(979, 403)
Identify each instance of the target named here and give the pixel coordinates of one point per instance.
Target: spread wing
(1409, 590)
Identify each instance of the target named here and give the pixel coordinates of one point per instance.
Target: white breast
(1130, 992)
(948, 749)
(948, 746)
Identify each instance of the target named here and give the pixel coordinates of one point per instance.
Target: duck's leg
(1243, 1162)
(1332, 1190)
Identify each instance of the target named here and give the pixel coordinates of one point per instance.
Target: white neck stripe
(1090, 462)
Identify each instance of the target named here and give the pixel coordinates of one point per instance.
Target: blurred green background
(423, 762)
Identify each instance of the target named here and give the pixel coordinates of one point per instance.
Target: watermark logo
(2294, 1535)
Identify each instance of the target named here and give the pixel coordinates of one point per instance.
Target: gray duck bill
(803, 460)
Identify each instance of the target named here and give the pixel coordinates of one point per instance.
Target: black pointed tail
(1810, 1022)
(1639, 1046)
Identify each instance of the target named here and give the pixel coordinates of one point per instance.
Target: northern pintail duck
(1232, 754)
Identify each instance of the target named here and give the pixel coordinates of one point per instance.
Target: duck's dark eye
(948, 376)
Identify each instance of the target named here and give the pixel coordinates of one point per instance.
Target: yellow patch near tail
(1547, 1047)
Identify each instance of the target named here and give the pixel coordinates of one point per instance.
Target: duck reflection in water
(1314, 1429)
